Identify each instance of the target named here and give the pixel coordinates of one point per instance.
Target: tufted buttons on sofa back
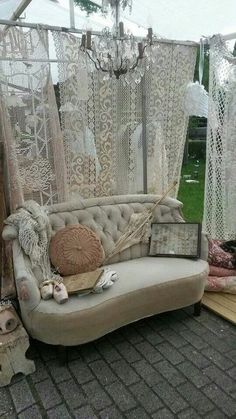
(109, 217)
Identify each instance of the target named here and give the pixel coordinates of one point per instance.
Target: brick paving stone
(173, 338)
(215, 414)
(222, 400)
(119, 376)
(166, 369)
(85, 412)
(48, 393)
(125, 372)
(150, 335)
(195, 398)
(115, 337)
(89, 352)
(232, 372)
(138, 413)
(163, 414)
(81, 371)
(149, 352)
(157, 323)
(132, 334)
(147, 372)
(41, 372)
(220, 378)
(196, 376)
(195, 357)
(128, 351)
(72, 353)
(232, 354)
(58, 372)
(217, 358)
(220, 342)
(189, 413)
(121, 396)
(72, 393)
(170, 397)
(6, 405)
(111, 412)
(146, 397)
(103, 372)
(47, 352)
(59, 412)
(32, 412)
(96, 395)
(193, 339)
(108, 351)
(170, 353)
(21, 395)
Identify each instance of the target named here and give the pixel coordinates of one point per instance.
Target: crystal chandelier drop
(115, 53)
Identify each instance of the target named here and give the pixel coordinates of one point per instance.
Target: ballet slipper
(46, 290)
(60, 294)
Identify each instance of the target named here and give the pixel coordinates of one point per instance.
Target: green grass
(192, 194)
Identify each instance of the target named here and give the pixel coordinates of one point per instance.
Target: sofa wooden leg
(197, 308)
(62, 354)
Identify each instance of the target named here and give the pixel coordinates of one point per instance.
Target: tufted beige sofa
(146, 285)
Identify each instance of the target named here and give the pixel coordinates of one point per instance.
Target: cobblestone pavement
(172, 365)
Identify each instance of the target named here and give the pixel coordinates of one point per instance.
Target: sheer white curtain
(220, 185)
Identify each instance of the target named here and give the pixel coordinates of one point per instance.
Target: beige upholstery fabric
(146, 285)
(109, 217)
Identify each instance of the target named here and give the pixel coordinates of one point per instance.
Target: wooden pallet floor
(222, 304)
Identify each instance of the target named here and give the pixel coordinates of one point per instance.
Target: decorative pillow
(218, 271)
(225, 284)
(76, 249)
(218, 257)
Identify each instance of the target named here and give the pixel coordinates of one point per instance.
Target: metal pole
(79, 31)
(20, 9)
(72, 13)
(36, 60)
(144, 135)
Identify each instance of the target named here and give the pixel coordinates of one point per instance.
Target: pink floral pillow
(218, 257)
(218, 271)
(224, 284)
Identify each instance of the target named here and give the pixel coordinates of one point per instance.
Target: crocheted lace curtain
(33, 143)
(94, 145)
(102, 121)
(220, 186)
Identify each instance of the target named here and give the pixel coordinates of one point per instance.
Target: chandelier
(116, 53)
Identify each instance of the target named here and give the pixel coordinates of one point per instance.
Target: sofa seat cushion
(146, 286)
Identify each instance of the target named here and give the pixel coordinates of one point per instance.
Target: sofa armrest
(26, 283)
(204, 246)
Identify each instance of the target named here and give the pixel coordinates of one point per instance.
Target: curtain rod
(80, 31)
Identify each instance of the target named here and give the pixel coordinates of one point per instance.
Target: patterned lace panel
(165, 86)
(99, 150)
(102, 124)
(220, 185)
(32, 136)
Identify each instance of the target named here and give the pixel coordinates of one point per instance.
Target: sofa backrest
(109, 217)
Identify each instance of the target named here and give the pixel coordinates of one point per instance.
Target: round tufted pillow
(76, 249)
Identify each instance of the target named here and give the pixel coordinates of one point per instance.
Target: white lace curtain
(31, 133)
(103, 119)
(220, 186)
(94, 145)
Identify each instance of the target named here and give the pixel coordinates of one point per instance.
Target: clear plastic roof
(182, 19)
(8, 7)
